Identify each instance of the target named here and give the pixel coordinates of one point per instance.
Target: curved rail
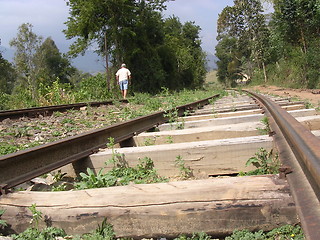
(304, 177)
(24, 165)
(48, 110)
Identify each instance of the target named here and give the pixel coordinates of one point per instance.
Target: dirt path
(312, 96)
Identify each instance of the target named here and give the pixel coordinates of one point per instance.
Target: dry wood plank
(229, 118)
(220, 128)
(214, 157)
(216, 206)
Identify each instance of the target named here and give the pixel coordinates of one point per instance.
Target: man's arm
(117, 77)
(129, 74)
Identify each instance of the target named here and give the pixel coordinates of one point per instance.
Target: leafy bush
(266, 163)
(144, 172)
(55, 93)
(4, 99)
(246, 235)
(287, 232)
(195, 236)
(3, 223)
(185, 172)
(120, 175)
(45, 234)
(21, 98)
(93, 88)
(34, 233)
(36, 215)
(266, 129)
(92, 180)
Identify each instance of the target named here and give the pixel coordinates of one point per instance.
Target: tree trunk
(264, 72)
(303, 40)
(107, 61)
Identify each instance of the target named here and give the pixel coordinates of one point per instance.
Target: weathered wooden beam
(242, 108)
(220, 128)
(197, 132)
(230, 118)
(204, 157)
(215, 206)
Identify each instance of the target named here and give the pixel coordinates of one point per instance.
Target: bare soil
(308, 95)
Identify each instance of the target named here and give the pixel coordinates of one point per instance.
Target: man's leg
(125, 88)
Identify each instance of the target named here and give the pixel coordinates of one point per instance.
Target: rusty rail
(24, 165)
(48, 110)
(300, 156)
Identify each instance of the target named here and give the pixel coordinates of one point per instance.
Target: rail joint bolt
(284, 170)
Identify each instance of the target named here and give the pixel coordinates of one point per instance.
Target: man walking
(123, 76)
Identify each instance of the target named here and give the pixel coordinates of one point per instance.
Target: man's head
(123, 65)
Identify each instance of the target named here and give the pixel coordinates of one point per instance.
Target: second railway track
(215, 140)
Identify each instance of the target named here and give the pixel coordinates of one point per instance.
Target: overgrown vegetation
(29, 133)
(185, 172)
(34, 232)
(121, 173)
(36, 216)
(282, 233)
(266, 162)
(278, 48)
(47, 233)
(3, 223)
(266, 130)
(104, 231)
(159, 52)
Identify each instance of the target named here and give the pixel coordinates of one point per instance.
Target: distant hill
(211, 64)
(92, 63)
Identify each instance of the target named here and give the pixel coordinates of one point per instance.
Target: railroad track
(215, 141)
(48, 110)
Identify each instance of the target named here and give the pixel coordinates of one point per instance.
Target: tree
(183, 40)
(137, 34)
(296, 23)
(27, 44)
(228, 63)
(106, 23)
(298, 20)
(50, 64)
(142, 50)
(245, 23)
(7, 75)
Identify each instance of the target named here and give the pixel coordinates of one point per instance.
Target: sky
(48, 18)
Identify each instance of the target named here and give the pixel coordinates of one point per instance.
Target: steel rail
(24, 165)
(300, 154)
(48, 110)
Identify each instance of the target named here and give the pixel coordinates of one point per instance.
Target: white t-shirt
(123, 74)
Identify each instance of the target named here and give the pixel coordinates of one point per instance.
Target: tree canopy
(7, 75)
(134, 32)
(282, 46)
(38, 63)
(161, 54)
(245, 26)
